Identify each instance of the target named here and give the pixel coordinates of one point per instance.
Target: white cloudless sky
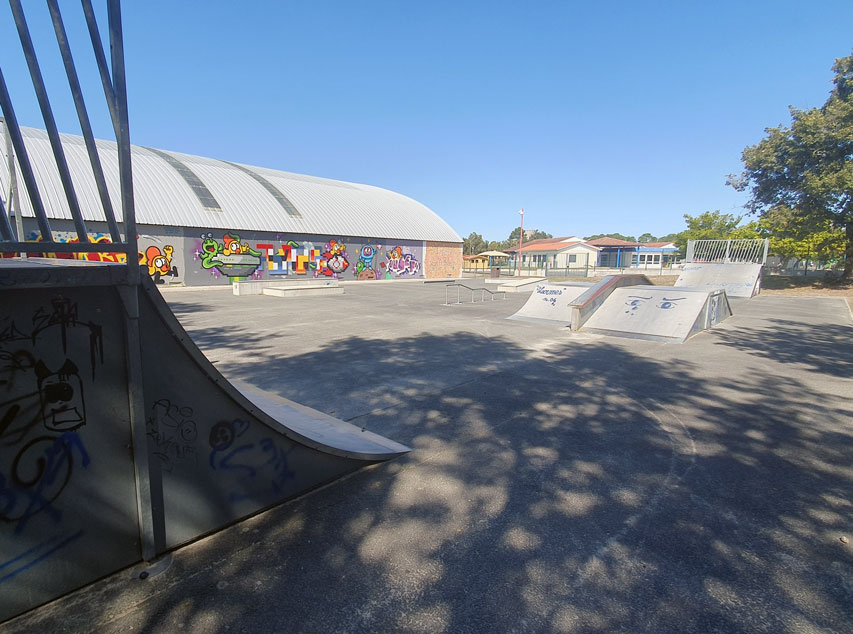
(595, 117)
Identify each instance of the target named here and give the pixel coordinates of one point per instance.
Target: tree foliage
(473, 244)
(618, 236)
(535, 234)
(806, 170)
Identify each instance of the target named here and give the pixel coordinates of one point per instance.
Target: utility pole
(520, 241)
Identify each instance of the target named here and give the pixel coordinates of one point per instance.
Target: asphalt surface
(559, 482)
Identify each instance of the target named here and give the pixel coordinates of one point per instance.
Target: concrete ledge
(256, 287)
(521, 285)
(293, 291)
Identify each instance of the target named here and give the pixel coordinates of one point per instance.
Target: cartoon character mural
(231, 258)
(333, 260)
(401, 263)
(159, 263)
(364, 267)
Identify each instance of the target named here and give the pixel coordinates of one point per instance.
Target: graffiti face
(61, 394)
(668, 303)
(231, 257)
(159, 263)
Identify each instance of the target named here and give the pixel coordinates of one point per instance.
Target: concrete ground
(559, 482)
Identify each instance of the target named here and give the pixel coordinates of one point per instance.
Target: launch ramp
(659, 313)
(738, 280)
(80, 473)
(551, 303)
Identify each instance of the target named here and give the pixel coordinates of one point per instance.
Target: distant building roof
(616, 242)
(181, 190)
(552, 244)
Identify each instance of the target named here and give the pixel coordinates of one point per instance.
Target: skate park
(558, 480)
(380, 460)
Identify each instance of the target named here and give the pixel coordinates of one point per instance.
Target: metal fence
(752, 251)
(112, 76)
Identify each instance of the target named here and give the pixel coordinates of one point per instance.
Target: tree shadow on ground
(587, 489)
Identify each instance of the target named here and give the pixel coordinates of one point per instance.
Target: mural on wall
(231, 257)
(364, 267)
(333, 261)
(70, 237)
(401, 263)
(289, 257)
(159, 263)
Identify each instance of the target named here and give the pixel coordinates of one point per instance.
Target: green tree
(528, 235)
(646, 237)
(709, 225)
(618, 236)
(473, 244)
(807, 168)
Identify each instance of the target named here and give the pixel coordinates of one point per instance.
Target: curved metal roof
(176, 189)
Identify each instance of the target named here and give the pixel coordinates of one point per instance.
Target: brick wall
(443, 259)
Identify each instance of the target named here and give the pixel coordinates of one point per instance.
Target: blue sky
(596, 118)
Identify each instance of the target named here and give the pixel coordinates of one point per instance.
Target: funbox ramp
(659, 313)
(98, 471)
(551, 303)
(738, 280)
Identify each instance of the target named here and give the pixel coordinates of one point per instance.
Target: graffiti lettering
(173, 433)
(402, 263)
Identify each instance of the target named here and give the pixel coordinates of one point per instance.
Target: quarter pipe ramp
(108, 457)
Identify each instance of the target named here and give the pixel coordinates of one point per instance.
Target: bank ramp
(659, 313)
(551, 303)
(108, 458)
(738, 280)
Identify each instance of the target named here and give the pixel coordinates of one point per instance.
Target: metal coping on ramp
(586, 304)
(131, 455)
(659, 313)
(550, 304)
(738, 280)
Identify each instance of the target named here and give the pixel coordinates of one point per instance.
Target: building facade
(208, 222)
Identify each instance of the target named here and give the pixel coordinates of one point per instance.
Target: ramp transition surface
(659, 313)
(107, 454)
(738, 280)
(551, 303)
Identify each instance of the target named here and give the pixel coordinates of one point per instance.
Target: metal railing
(482, 291)
(113, 80)
(750, 251)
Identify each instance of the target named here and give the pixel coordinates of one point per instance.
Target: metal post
(12, 199)
(520, 241)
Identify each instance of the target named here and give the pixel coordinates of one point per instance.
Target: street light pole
(520, 241)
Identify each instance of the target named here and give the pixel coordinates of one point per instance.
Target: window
(573, 258)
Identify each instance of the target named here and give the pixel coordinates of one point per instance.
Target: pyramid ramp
(659, 313)
(738, 280)
(551, 303)
(109, 457)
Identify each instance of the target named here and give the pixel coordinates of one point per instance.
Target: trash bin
(495, 272)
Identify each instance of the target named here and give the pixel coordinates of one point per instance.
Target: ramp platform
(659, 313)
(550, 304)
(738, 280)
(109, 457)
